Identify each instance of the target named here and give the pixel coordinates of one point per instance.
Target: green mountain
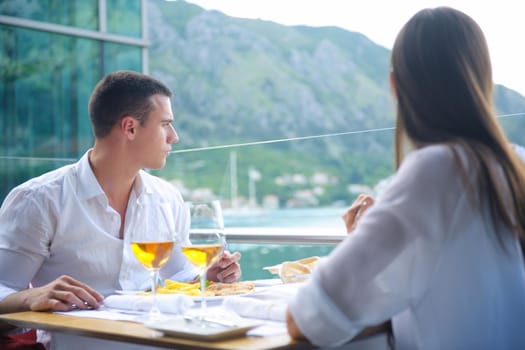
(241, 80)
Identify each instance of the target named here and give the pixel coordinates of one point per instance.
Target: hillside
(239, 80)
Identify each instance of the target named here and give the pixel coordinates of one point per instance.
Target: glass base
(152, 317)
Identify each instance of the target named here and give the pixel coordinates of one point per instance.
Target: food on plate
(309, 262)
(176, 287)
(231, 288)
(212, 289)
(294, 271)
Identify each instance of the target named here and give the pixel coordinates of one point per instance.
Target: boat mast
(233, 179)
(251, 188)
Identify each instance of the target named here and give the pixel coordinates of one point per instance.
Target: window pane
(123, 17)
(118, 57)
(46, 80)
(45, 83)
(41, 92)
(74, 13)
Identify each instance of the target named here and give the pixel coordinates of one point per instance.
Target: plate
(268, 282)
(219, 297)
(207, 329)
(129, 292)
(196, 298)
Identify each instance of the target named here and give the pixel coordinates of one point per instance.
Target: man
(66, 233)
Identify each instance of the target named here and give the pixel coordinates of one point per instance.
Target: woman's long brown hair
(442, 78)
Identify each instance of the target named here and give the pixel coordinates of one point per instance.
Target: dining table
(136, 333)
(269, 332)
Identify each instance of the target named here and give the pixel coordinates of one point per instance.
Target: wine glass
(207, 240)
(152, 239)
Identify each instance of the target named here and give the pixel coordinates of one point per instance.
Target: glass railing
(275, 208)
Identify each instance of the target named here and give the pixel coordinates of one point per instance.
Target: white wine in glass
(203, 255)
(152, 239)
(206, 240)
(153, 255)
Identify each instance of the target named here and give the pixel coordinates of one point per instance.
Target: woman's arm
(370, 276)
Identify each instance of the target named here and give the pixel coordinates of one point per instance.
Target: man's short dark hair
(120, 94)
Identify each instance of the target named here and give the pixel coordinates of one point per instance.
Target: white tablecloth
(266, 304)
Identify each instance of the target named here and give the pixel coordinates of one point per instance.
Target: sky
(380, 20)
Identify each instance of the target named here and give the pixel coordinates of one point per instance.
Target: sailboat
(253, 176)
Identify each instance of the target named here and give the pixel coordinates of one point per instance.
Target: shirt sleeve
(24, 240)
(383, 266)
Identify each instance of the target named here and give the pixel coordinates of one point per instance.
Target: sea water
(289, 217)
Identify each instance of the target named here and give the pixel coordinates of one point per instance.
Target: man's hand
(356, 210)
(226, 269)
(63, 294)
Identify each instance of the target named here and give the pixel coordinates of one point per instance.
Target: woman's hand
(356, 210)
(293, 330)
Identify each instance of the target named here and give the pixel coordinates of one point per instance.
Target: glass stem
(203, 294)
(155, 311)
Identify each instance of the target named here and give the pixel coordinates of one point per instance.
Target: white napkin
(170, 303)
(253, 308)
(280, 292)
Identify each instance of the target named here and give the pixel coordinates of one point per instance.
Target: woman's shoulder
(433, 167)
(437, 156)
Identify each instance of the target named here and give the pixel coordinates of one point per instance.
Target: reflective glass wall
(72, 13)
(52, 53)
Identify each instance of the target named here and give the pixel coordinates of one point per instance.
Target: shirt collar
(87, 184)
(141, 185)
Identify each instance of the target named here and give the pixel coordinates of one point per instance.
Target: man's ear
(128, 126)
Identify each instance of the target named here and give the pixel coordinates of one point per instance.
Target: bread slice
(235, 288)
(309, 261)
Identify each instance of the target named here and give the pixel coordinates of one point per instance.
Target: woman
(440, 252)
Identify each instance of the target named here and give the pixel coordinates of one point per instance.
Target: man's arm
(226, 269)
(25, 232)
(63, 294)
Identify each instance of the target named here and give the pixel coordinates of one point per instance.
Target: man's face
(157, 134)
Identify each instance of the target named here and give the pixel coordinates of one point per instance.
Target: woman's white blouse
(426, 258)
